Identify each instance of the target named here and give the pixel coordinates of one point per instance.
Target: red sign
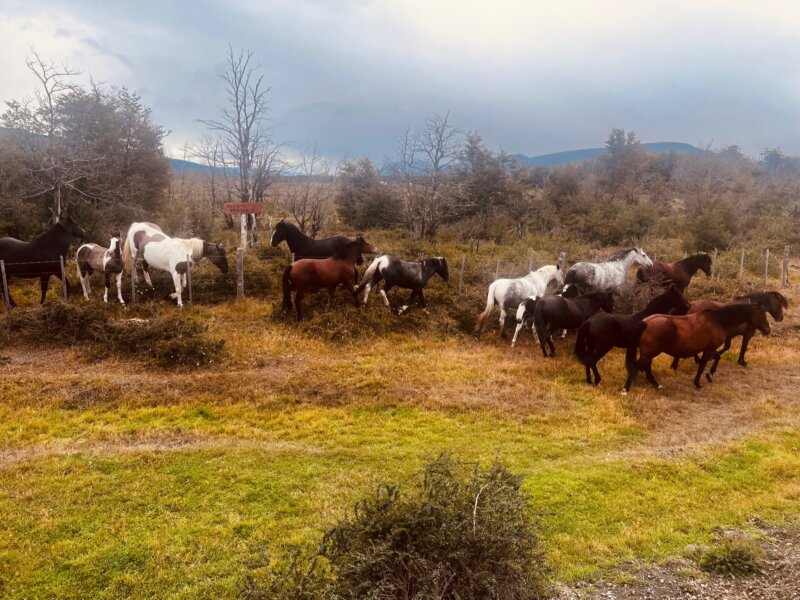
(242, 208)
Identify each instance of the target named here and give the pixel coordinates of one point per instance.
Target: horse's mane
(732, 313)
(195, 246)
(695, 260)
(763, 298)
(47, 233)
(621, 254)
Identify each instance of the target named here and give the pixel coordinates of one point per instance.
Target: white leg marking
(366, 294)
(385, 299)
(147, 279)
(520, 325)
(176, 279)
(105, 295)
(83, 285)
(119, 288)
(563, 334)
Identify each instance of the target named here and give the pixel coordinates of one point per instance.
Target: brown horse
(678, 273)
(311, 274)
(773, 303)
(685, 336)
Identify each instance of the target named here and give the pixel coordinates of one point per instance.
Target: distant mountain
(576, 156)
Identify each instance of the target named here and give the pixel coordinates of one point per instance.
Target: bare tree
(245, 142)
(307, 199)
(423, 159)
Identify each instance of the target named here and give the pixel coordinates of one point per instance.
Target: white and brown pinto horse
(173, 255)
(108, 261)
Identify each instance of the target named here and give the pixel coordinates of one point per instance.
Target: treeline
(95, 151)
(709, 199)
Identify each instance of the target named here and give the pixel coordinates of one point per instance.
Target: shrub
(732, 556)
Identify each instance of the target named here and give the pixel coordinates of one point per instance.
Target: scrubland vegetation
(149, 452)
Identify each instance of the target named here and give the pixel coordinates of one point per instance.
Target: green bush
(461, 532)
(732, 556)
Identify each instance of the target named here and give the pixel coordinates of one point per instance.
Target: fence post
(741, 265)
(5, 283)
(497, 270)
(685, 254)
(714, 265)
(240, 273)
(562, 261)
(785, 272)
(766, 265)
(189, 275)
(530, 264)
(461, 273)
(63, 277)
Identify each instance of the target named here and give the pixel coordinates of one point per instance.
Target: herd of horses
(548, 300)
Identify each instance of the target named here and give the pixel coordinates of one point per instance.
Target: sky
(531, 77)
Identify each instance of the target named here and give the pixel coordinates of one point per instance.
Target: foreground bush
(167, 340)
(460, 532)
(732, 556)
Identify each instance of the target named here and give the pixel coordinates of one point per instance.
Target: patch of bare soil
(778, 578)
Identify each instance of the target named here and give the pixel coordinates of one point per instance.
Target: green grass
(120, 479)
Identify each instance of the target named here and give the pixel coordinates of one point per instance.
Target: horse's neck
(295, 236)
(54, 238)
(428, 270)
(626, 261)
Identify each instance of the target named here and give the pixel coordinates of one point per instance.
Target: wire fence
(474, 268)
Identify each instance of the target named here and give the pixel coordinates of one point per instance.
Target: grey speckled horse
(585, 277)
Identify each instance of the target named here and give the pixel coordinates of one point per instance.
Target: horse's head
(776, 302)
(440, 263)
(640, 257)
(216, 255)
(71, 227)
(704, 263)
(759, 319)
(364, 247)
(279, 233)
(114, 246)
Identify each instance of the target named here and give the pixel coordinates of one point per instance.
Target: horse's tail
(487, 311)
(633, 346)
(126, 255)
(369, 274)
(582, 343)
(287, 288)
(540, 323)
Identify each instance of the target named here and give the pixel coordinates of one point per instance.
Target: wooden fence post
(189, 275)
(240, 273)
(461, 273)
(5, 283)
(714, 265)
(741, 265)
(785, 271)
(766, 265)
(562, 261)
(530, 264)
(497, 270)
(63, 277)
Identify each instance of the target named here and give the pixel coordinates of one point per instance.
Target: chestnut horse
(311, 274)
(604, 331)
(773, 303)
(685, 336)
(678, 273)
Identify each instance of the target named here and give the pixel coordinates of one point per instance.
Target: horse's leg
(564, 333)
(84, 282)
(384, 291)
(146, 271)
(119, 288)
(176, 279)
(647, 367)
(516, 333)
(597, 377)
(331, 292)
(367, 288)
(674, 365)
(502, 320)
(44, 281)
(745, 340)
(7, 291)
(134, 255)
(717, 357)
(552, 346)
(422, 302)
(707, 354)
(404, 308)
(350, 286)
(297, 298)
(107, 281)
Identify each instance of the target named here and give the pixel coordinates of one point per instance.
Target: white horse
(584, 277)
(168, 254)
(509, 293)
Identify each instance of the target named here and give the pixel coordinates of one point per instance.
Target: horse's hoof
(709, 378)
(623, 392)
(659, 387)
(744, 364)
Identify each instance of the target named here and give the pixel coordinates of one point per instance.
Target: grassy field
(121, 479)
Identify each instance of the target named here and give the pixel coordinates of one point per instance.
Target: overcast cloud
(529, 76)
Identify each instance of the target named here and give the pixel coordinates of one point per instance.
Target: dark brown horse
(678, 273)
(552, 313)
(681, 337)
(604, 331)
(311, 274)
(772, 302)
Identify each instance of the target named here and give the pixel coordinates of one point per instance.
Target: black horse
(411, 275)
(41, 257)
(303, 246)
(556, 312)
(602, 332)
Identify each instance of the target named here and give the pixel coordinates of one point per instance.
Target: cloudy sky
(531, 76)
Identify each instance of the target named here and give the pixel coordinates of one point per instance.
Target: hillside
(576, 156)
